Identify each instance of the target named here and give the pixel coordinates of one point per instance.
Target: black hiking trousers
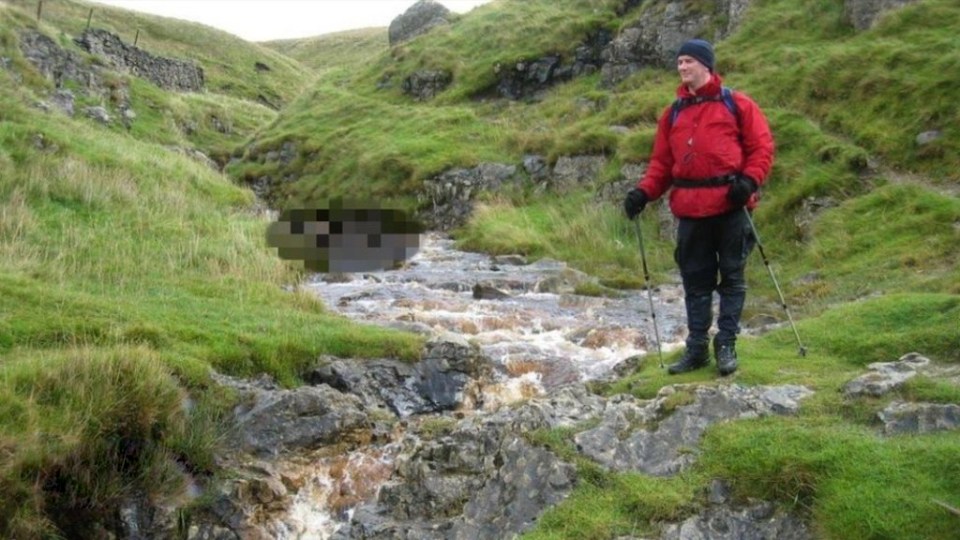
(712, 253)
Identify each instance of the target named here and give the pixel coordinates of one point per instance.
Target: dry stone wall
(167, 73)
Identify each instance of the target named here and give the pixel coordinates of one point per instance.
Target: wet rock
(377, 382)
(270, 422)
(483, 291)
(885, 376)
(628, 365)
(210, 532)
(484, 480)
(457, 353)
(510, 260)
(918, 418)
(564, 282)
(439, 382)
(530, 480)
(139, 518)
(554, 372)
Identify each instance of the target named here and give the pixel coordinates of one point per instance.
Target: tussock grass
(83, 425)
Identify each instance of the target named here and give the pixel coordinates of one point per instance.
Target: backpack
(726, 96)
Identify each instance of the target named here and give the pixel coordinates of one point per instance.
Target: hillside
(133, 263)
(130, 270)
(341, 49)
(230, 63)
(841, 135)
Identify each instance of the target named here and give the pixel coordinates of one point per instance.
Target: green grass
(471, 46)
(215, 121)
(828, 464)
(803, 55)
(591, 236)
(607, 505)
(91, 425)
(337, 50)
(843, 476)
(127, 273)
(228, 62)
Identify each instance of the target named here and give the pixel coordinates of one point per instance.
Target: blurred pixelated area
(345, 236)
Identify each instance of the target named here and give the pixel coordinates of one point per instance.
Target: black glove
(740, 190)
(635, 202)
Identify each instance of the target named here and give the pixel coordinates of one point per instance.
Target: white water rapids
(541, 339)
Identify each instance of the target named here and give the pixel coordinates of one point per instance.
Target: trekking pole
(646, 280)
(783, 303)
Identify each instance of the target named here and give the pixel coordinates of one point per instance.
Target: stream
(524, 317)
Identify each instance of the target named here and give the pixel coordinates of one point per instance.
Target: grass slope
(229, 62)
(127, 272)
(345, 49)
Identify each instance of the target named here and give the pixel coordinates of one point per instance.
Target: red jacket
(705, 142)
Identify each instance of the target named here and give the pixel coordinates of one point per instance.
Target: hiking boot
(726, 358)
(693, 358)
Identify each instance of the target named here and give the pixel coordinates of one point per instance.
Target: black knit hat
(699, 49)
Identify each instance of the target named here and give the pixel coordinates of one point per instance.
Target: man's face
(692, 72)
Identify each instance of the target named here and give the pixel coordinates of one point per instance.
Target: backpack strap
(726, 96)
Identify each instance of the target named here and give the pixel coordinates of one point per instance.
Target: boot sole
(727, 371)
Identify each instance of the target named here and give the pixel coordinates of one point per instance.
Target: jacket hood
(713, 87)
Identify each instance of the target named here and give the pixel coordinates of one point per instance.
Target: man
(714, 149)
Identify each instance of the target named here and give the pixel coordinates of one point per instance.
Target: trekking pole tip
(803, 352)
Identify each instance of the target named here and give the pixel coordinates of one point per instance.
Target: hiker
(713, 150)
